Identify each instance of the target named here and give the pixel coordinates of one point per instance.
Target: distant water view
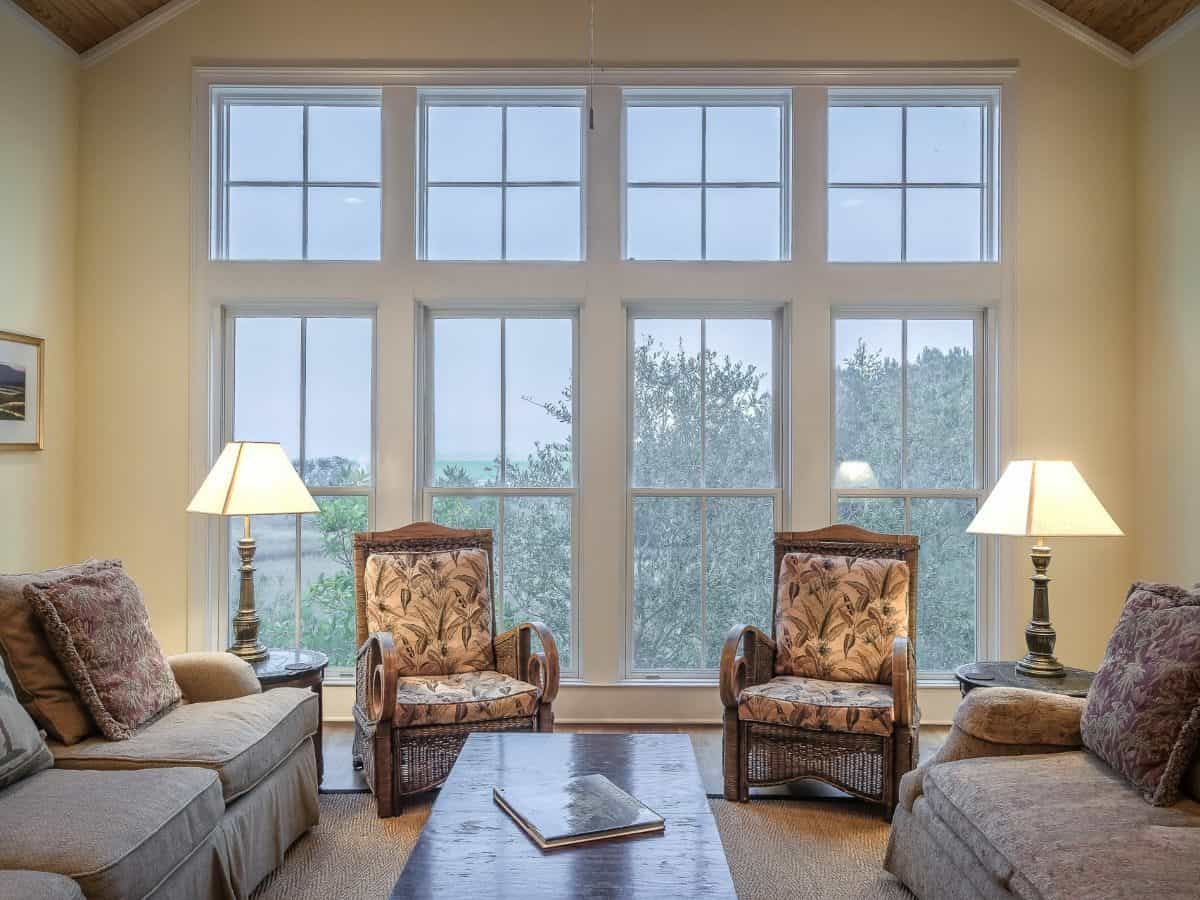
(478, 470)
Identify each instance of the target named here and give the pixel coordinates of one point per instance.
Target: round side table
(1073, 682)
(302, 669)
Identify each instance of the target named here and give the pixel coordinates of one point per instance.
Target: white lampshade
(1043, 499)
(855, 473)
(251, 478)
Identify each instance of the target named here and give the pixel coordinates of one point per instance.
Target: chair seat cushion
(840, 706)
(242, 740)
(118, 834)
(465, 697)
(1065, 825)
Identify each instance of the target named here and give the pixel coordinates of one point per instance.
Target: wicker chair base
(859, 764)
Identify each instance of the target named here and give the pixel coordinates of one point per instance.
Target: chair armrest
(755, 665)
(516, 659)
(377, 673)
(204, 677)
(904, 681)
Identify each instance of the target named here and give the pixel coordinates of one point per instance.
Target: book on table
(576, 811)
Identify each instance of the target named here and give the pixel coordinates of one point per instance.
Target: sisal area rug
(794, 849)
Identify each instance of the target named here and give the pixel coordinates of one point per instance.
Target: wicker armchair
(410, 719)
(859, 735)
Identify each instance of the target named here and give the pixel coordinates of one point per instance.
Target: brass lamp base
(246, 622)
(1039, 633)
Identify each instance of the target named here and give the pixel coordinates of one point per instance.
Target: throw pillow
(1143, 711)
(436, 606)
(836, 616)
(97, 624)
(22, 748)
(41, 685)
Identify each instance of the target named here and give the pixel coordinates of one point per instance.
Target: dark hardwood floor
(340, 775)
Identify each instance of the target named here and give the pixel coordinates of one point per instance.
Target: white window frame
(776, 314)
(984, 463)
(425, 431)
(505, 98)
(222, 98)
(988, 99)
(232, 312)
(781, 99)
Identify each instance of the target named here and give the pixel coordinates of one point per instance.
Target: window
(908, 457)
(296, 174)
(706, 492)
(706, 175)
(911, 176)
(499, 445)
(307, 382)
(501, 175)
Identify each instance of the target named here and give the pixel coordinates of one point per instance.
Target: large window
(706, 490)
(500, 454)
(909, 458)
(501, 175)
(307, 382)
(706, 175)
(297, 174)
(911, 176)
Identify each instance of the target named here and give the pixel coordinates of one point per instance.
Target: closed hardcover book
(578, 810)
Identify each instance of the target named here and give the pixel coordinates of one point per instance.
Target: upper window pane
(864, 144)
(867, 355)
(666, 403)
(739, 403)
(538, 402)
(945, 144)
(337, 385)
(466, 402)
(501, 177)
(705, 181)
(298, 175)
(940, 425)
(266, 382)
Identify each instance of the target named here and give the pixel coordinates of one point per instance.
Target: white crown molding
(1079, 31)
(37, 27)
(1157, 46)
(138, 29)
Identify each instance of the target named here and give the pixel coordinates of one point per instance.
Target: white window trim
(776, 314)
(780, 98)
(807, 283)
(985, 463)
(504, 98)
(423, 435)
(988, 99)
(230, 312)
(225, 96)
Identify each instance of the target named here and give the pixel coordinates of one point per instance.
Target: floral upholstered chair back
(436, 605)
(836, 616)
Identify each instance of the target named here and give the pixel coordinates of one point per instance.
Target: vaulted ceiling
(82, 24)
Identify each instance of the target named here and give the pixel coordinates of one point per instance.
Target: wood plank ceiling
(82, 24)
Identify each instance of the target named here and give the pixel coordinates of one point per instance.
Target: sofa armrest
(1020, 716)
(29, 885)
(753, 666)
(213, 676)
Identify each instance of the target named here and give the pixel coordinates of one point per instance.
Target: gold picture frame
(22, 428)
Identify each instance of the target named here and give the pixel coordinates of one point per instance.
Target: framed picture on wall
(21, 391)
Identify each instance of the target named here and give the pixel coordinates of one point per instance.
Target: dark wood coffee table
(471, 848)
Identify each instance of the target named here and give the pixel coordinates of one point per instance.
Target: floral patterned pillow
(436, 606)
(1143, 710)
(836, 617)
(96, 623)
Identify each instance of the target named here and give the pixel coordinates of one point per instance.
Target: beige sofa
(1012, 806)
(200, 804)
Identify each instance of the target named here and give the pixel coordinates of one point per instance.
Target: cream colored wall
(1168, 313)
(1074, 242)
(39, 105)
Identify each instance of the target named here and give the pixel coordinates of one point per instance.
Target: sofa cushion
(1143, 709)
(118, 834)
(24, 885)
(836, 616)
(436, 606)
(99, 628)
(465, 697)
(242, 739)
(1064, 825)
(819, 705)
(42, 686)
(22, 748)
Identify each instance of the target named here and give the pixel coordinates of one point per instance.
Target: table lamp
(1038, 498)
(251, 478)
